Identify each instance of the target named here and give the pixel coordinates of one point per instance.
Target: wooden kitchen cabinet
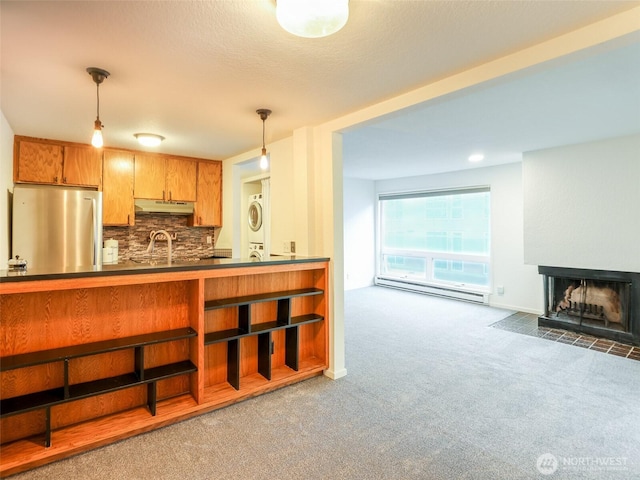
(165, 178)
(207, 210)
(56, 163)
(37, 162)
(122, 176)
(149, 176)
(82, 166)
(181, 179)
(117, 188)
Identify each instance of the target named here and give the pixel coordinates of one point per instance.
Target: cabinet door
(150, 177)
(181, 179)
(82, 166)
(37, 162)
(208, 207)
(117, 188)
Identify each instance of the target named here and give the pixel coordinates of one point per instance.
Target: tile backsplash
(191, 242)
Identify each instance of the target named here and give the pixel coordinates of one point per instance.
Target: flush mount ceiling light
(264, 161)
(98, 75)
(312, 18)
(149, 139)
(476, 157)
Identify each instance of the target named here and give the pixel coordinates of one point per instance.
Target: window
(436, 237)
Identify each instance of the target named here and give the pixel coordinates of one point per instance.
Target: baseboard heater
(448, 292)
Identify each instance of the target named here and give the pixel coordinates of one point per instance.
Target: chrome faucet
(152, 243)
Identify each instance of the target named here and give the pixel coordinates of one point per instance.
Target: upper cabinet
(207, 211)
(165, 178)
(41, 161)
(82, 166)
(149, 176)
(181, 179)
(123, 175)
(117, 189)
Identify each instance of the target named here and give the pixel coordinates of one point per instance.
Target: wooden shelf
(49, 398)
(245, 328)
(262, 297)
(223, 335)
(304, 319)
(31, 401)
(66, 353)
(223, 393)
(233, 333)
(70, 392)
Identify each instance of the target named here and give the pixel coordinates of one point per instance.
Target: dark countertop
(133, 268)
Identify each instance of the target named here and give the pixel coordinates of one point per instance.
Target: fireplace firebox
(595, 302)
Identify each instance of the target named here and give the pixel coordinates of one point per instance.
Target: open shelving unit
(86, 362)
(245, 328)
(70, 392)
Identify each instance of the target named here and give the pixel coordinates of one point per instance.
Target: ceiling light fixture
(98, 76)
(476, 157)
(264, 161)
(149, 139)
(312, 18)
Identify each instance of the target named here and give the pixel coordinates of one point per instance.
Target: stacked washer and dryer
(256, 231)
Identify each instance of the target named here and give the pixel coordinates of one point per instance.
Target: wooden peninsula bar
(89, 357)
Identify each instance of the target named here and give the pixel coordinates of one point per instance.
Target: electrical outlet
(209, 240)
(293, 247)
(285, 248)
(500, 290)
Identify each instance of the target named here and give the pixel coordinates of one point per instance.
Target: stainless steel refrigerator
(57, 228)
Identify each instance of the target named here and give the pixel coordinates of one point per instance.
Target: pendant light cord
(98, 101)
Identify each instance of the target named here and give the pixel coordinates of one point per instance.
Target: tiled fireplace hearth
(596, 302)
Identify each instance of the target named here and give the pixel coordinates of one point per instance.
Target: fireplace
(595, 302)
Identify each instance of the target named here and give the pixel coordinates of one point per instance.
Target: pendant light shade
(98, 75)
(264, 160)
(312, 18)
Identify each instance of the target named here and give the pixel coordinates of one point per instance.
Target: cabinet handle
(128, 219)
(55, 179)
(200, 220)
(64, 179)
(169, 195)
(163, 195)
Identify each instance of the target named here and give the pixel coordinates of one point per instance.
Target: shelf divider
(292, 350)
(264, 355)
(233, 363)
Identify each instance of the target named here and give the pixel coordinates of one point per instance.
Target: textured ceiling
(196, 71)
(582, 100)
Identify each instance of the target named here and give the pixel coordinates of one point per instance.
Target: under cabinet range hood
(161, 206)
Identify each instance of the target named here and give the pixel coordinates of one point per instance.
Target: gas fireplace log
(602, 299)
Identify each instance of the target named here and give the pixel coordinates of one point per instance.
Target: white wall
(283, 218)
(359, 233)
(6, 187)
(582, 205)
(522, 284)
(234, 215)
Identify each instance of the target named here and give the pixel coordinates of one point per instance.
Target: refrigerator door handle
(96, 245)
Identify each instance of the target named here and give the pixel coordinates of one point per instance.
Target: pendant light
(312, 18)
(98, 75)
(264, 161)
